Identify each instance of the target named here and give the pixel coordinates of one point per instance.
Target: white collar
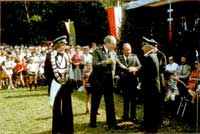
(125, 57)
(106, 49)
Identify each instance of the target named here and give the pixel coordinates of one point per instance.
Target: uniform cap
(149, 41)
(61, 39)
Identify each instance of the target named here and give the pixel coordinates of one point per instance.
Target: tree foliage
(31, 22)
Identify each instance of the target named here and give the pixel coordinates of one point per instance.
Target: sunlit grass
(28, 112)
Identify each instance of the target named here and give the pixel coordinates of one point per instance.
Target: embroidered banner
(71, 31)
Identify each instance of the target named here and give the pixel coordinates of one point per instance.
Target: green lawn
(28, 112)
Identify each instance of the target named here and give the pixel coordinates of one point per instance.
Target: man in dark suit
(59, 67)
(183, 73)
(128, 82)
(150, 79)
(101, 80)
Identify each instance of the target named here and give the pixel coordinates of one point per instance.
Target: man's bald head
(126, 50)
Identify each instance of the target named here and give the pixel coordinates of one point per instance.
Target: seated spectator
(183, 73)
(184, 69)
(172, 88)
(194, 81)
(172, 66)
(171, 79)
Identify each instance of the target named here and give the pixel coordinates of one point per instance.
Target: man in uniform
(101, 80)
(150, 79)
(60, 91)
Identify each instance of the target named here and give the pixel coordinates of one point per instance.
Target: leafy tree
(31, 22)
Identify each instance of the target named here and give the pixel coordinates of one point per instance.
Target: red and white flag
(115, 20)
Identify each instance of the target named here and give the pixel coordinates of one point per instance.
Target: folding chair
(197, 107)
(182, 106)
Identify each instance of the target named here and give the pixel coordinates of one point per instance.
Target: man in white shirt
(172, 66)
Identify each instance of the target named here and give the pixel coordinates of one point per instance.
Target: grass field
(28, 112)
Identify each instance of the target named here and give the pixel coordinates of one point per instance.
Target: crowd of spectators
(24, 67)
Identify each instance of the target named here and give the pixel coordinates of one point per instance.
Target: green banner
(71, 31)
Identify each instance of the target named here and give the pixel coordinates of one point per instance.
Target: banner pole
(197, 120)
(197, 106)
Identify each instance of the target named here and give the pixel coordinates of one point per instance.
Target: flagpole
(118, 3)
(197, 106)
(170, 19)
(197, 121)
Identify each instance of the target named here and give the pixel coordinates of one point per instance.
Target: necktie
(185, 26)
(126, 60)
(182, 69)
(182, 24)
(108, 55)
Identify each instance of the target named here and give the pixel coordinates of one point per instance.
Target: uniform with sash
(60, 93)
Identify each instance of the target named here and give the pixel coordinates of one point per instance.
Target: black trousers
(96, 95)
(152, 111)
(129, 104)
(62, 112)
(128, 86)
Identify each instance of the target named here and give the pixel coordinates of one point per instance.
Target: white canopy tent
(151, 3)
(138, 3)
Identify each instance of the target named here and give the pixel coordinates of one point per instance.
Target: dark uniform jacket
(152, 93)
(102, 72)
